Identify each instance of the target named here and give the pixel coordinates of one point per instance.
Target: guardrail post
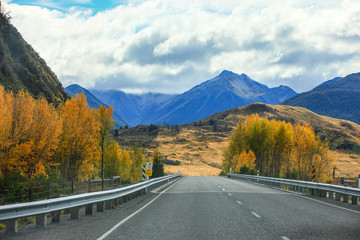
(323, 194)
(41, 220)
(108, 205)
(115, 202)
(12, 226)
(337, 196)
(55, 216)
(89, 209)
(120, 200)
(100, 207)
(75, 212)
(345, 198)
(354, 200)
(125, 198)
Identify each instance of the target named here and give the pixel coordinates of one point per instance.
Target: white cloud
(169, 46)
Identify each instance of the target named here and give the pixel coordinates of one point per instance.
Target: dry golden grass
(347, 165)
(199, 148)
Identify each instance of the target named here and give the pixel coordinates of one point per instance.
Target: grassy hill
(22, 68)
(196, 148)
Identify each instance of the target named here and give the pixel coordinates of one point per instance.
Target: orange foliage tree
(280, 149)
(78, 151)
(28, 134)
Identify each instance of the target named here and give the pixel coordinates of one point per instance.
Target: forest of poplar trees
(278, 149)
(64, 143)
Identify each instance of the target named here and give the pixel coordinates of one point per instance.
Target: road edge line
(133, 214)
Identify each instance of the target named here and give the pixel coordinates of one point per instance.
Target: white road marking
(229, 194)
(223, 189)
(285, 238)
(255, 214)
(239, 202)
(130, 216)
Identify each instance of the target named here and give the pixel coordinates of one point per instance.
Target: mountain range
(93, 102)
(338, 98)
(225, 91)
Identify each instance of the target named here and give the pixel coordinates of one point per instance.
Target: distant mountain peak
(226, 73)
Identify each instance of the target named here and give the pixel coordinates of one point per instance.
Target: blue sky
(169, 46)
(64, 5)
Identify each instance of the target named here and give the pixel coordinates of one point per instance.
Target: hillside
(93, 102)
(338, 98)
(198, 146)
(22, 68)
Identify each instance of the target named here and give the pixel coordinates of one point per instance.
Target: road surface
(211, 208)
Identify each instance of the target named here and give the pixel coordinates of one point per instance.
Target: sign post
(148, 170)
(143, 172)
(313, 173)
(230, 170)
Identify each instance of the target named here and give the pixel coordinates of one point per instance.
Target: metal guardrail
(310, 188)
(40, 209)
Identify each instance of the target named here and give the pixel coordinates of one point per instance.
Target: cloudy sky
(170, 46)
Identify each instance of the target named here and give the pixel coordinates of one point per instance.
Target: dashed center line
(223, 189)
(255, 214)
(285, 238)
(239, 202)
(229, 194)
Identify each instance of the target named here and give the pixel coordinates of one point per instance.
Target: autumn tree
(78, 151)
(244, 162)
(104, 117)
(137, 160)
(280, 149)
(6, 119)
(112, 159)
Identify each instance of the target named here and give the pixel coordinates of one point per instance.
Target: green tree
(158, 166)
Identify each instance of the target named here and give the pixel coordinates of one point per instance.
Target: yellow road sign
(148, 172)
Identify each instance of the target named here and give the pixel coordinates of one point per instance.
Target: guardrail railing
(103, 200)
(331, 191)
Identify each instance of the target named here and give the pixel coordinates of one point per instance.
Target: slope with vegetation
(22, 68)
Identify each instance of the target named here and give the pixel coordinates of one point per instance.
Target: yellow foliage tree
(29, 131)
(6, 119)
(112, 159)
(78, 151)
(280, 149)
(244, 159)
(104, 117)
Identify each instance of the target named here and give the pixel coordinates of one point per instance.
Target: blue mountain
(93, 102)
(337, 98)
(225, 91)
(132, 107)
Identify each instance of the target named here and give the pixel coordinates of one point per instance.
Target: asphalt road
(211, 208)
